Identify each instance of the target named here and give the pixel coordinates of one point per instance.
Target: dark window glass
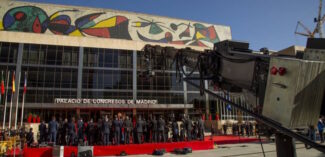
(41, 78)
(66, 56)
(34, 54)
(101, 54)
(108, 79)
(90, 78)
(4, 52)
(42, 54)
(108, 58)
(50, 55)
(49, 77)
(58, 79)
(13, 53)
(74, 78)
(58, 58)
(66, 78)
(8, 52)
(75, 56)
(93, 57)
(85, 78)
(115, 58)
(25, 53)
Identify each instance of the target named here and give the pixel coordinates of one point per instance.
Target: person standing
(139, 127)
(71, 132)
(42, 132)
(117, 130)
(99, 131)
(106, 130)
(182, 134)
(127, 130)
(64, 132)
(91, 132)
(247, 128)
(60, 132)
(311, 134)
(154, 126)
(161, 129)
(53, 129)
(242, 129)
(320, 126)
(80, 126)
(201, 129)
(189, 128)
(146, 131)
(175, 130)
(30, 137)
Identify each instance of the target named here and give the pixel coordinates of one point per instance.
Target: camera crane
(274, 82)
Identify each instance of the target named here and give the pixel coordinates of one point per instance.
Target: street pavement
(246, 150)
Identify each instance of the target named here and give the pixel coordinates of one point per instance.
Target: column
(207, 107)
(80, 68)
(17, 83)
(134, 83)
(185, 93)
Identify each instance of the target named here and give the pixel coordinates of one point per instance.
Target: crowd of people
(246, 128)
(118, 130)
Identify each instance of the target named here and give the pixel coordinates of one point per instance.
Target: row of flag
(13, 84)
(4, 90)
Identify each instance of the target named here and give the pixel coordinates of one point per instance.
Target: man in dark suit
(80, 126)
(201, 129)
(71, 132)
(117, 130)
(189, 128)
(127, 130)
(139, 127)
(161, 129)
(154, 126)
(175, 130)
(42, 131)
(106, 130)
(30, 137)
(91, 132)
(53, 129)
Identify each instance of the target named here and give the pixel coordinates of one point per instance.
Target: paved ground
(247, 150)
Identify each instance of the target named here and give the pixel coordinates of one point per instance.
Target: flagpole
(16, 116)
(5, 110)
(10, 110)
(23, 104)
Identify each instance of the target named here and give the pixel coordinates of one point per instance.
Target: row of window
(8, 52)
(106, 79)
(159, 81)
(50, 77)
(50, 55)
(95, 57)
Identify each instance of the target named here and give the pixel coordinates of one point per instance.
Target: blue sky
(262, 23)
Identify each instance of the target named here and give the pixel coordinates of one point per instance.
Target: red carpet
(149, 148)
(131, 149)
(231, 139)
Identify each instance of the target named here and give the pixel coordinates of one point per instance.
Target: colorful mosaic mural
(78, 22)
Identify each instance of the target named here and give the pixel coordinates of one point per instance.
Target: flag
(2, 84)
(13, 83)
(25, 84)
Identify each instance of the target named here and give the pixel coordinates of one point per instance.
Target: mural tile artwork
(75, 22)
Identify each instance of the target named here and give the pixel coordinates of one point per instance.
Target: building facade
(87, 62)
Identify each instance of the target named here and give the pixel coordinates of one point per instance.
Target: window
(50, 55)
(8, 52)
